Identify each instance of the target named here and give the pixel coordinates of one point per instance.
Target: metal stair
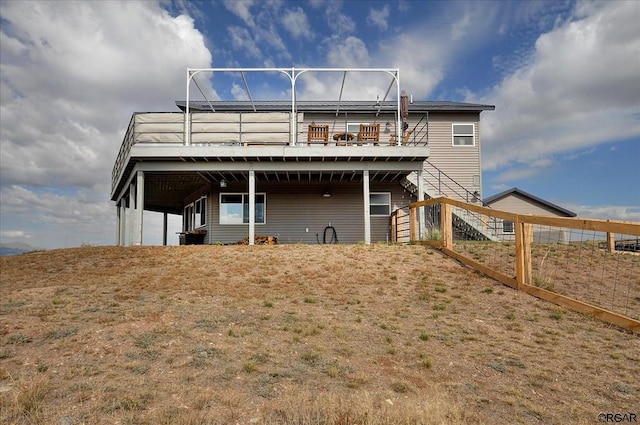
(466, 225)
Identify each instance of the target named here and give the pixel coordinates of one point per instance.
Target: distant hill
(16, 248)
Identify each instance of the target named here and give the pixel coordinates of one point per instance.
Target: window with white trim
(234, 208)
(507, 226)
(380, 203)
(194, 215)
(463, 134)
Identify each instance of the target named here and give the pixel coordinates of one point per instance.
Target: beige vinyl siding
(518, 204)
(460, 163)
(293, 208)
(522, 205)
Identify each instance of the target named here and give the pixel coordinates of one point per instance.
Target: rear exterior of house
(237, 170)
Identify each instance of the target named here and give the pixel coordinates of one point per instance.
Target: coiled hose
(333, 234)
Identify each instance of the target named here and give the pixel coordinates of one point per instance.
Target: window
(380, 203)
(463, 134)
(353, 127)
(507, 226)
(195, 215)
(234, 208)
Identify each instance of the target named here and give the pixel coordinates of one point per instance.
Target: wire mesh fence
(588, 265)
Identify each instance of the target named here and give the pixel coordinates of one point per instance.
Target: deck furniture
(318, 134)
(369, 133)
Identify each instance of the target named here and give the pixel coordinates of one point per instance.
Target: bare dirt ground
(295, 334)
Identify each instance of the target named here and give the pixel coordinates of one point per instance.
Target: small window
(463, 135)
(195, 215)
(234, 208)
(200, 212)
(187, 218)
(507, 226)
(380, 203)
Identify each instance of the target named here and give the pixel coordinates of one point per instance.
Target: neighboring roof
(332, 106)
(522, 193)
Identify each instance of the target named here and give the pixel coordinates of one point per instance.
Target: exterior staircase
(467, 225)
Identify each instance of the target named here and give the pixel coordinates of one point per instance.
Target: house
(301, 171)
(520, 202)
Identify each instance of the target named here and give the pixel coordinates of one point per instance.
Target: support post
(421, 215)
(367, 209)
(252, 207)
(446, 225)
(139, 206)
(164, 229)
(394, 226)
(611, 242)
(118, 224)
(122, 240)
(524, 238)
(413, 224)
(132, 211)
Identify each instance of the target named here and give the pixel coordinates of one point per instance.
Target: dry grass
(294, 334)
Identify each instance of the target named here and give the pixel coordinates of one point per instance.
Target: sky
(564, 78)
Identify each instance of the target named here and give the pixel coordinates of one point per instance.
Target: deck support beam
(252, 207)
(122, 222)
(139, 207)
(164, 228)
(367, 209)
(132, 208)
(421, 211)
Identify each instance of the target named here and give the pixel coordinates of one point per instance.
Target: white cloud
(242, 9)
(297, 23)
(379, 17)
(14, 234)
(243, 41)
(607, 212)
(72, 75)
(579, 88)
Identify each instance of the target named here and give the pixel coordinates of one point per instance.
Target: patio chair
(405, 138)
(318, 134)
(369, 133)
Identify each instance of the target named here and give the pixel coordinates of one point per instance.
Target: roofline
(331, 106)
(521, 192)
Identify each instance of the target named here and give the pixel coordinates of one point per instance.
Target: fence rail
(587, 265)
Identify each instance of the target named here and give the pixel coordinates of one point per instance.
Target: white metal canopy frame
(293, 74)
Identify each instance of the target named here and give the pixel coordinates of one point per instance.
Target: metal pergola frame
(293, 74)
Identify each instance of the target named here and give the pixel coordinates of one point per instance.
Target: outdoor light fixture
(387, 127)
(326, 194)
(223, 183)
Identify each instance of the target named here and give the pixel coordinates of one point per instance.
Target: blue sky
(564, 77)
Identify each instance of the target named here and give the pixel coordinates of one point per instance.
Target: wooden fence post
(413, 224)
(446, 225)
(524, 238)
(394, 226)
(611, 242)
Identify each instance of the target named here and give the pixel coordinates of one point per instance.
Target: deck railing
(241, 129)
(575, 263)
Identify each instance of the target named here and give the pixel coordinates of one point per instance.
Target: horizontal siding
(520, 205)
(460, 163)
(294, 208)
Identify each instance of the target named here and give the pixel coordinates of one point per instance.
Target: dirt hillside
(295, 334)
